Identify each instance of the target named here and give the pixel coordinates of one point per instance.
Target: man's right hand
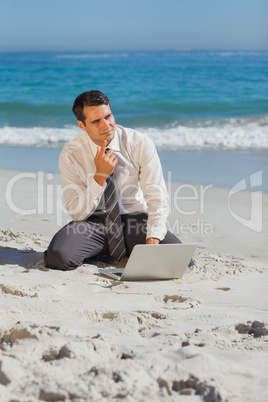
(105, 163)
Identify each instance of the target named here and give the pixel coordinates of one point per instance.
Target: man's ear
(81, 125)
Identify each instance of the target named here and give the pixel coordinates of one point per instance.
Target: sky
(101, 25)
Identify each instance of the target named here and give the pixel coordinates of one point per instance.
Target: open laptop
(153, 262)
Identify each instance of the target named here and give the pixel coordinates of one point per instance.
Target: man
(107, 155)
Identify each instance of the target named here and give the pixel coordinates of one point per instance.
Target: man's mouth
(107, 132)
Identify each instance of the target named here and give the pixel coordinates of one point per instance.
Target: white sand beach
(78, 336)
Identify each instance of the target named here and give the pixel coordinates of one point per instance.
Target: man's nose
(104, 124)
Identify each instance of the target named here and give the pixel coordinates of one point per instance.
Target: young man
(108, 163)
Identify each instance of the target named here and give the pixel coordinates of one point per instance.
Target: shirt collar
(114, 144)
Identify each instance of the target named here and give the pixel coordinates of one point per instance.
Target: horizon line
(134, 50)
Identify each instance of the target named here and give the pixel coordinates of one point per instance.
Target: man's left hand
(152, 240)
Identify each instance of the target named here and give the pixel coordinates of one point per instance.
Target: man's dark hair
(88, 98)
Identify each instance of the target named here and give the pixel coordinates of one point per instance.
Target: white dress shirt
(138, 173)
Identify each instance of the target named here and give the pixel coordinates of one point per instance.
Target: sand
(78, 336)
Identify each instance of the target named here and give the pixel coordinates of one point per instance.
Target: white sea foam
(235, 134)
(37, 136)
(232, 134)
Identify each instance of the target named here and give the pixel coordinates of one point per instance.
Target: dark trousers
(79, 241)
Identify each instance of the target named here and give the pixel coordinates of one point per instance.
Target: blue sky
(77, 25)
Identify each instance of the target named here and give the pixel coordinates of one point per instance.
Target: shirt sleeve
(81, 197)
(154, 189)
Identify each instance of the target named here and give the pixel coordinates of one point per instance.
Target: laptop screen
(118, 273)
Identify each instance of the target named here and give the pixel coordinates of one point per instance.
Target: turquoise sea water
(213, 102)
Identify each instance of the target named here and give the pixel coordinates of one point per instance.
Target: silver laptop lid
(162, 261)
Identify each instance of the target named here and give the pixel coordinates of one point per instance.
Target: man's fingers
(98, 153)
(110, 156)
(105, 162)
(152, 240)
(103, 146)
(114, 161)
(101, 150)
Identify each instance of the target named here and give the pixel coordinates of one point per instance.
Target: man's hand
(105, 164)
(152, 240)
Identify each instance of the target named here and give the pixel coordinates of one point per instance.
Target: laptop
(154, 262)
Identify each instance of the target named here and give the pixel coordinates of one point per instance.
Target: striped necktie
(116, 240)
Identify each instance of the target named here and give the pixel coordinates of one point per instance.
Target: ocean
(207, 112)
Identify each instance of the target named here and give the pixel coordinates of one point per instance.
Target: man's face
(99, 123)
